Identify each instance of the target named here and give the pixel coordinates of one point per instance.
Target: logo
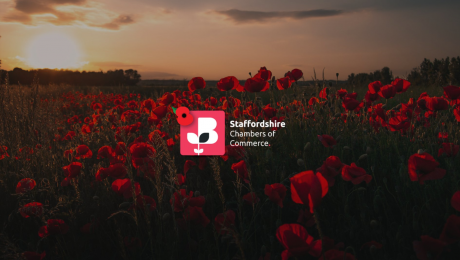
(201, 132)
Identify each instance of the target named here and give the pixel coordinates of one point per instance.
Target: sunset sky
(213, 38)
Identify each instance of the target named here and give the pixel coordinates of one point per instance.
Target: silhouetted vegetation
(438, 73)
(74, 78)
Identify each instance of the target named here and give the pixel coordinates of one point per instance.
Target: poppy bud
(96, 198)
(273, 78)
(346, 148)
(124, 205)
(263, 250)
(307, 147)
(361, 189)
(166, 216)
(338, 138)
(363, 157)
(300, 162)
(420, 151)
(197, 193)
(250, 74)
(368, 150)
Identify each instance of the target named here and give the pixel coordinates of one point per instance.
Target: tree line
(439, 72)
(78, 78)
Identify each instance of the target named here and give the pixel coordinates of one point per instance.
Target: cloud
(241, 17)
(65, 12)
(117, 22)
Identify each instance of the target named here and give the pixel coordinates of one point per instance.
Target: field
(359, 172)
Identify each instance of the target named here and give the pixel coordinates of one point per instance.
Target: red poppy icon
(183, 116)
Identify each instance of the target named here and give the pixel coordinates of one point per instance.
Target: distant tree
(387, 75)
(89, 78)
(132, 77)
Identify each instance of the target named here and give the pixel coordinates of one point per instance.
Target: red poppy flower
(160, 111)
(428, 248)
(308, 188)
(83, 152)
(436, 103)
(369, 97)
(283, 83)
(353, 95)
(297, 242)
(264, 74)
(312, 101)
(141, 154)
(342, 93)
(166, 99)
(196, 83)
(387, 91)
(256, 85)
(251, 198)
(455, 201)
(451, 231)
(401, 85)
(335, 254)
(32, 209)
(331, 168)
(374, 87)
(295, 74)
(188, 164)
(451, 92)
(241, 170)
(448, 149)
(228, 83)
(53, 227)
(423, 167)
(223, 222)
(105, 152)
(72, 170)
(29, 255)
(182, 200)
(123, 187)
(351, 104)
(327, 140)
(276, 193)
(323, 93)
(3, 153)
(196, 216)
(25, 185)
(355, 174)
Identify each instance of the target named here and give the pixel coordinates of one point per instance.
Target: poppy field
(368, 172)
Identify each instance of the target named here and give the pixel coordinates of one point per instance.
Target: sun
(53, 51)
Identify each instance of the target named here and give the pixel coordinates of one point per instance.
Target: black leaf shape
(204, 137)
